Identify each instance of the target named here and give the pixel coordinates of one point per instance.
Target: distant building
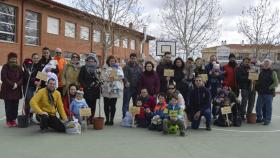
(26, 26)
(242, 50)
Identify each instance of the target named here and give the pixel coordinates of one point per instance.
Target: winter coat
(242, 74)
(229, 77)
(40, 103)
(159, 109)
(76, 105)
(200, 99)
(9, 77)
(173, 111)
(160, 71)
(61, 62)
(90, 83)
(132, 74)
(66, 104)
(112, 89)
(185, 87)
(69, 76)
(150, 80)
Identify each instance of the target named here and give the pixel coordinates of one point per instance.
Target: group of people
(165, 102)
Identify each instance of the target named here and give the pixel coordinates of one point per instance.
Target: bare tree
(260, 24)
(109, 15)
(193, 23)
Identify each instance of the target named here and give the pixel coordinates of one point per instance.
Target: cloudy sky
(231, 9)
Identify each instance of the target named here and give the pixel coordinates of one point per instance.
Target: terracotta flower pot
(98, 123)
(251, 118)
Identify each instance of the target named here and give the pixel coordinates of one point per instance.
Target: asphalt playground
(249, 140)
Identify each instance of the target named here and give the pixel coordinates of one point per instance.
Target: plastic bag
(127, 120)
(73, 127)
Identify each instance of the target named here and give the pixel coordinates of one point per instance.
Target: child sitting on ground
(157, 115)
(174, 115)
(78, 103)
(226, 97)
(143, 119)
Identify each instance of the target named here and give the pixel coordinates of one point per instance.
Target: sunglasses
(75, 57)
(198, 80)
(171, 88)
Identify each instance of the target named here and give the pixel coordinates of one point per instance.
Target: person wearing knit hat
(78, 103)
(11, 77)
(230, 71)
(231, 55)
(61, 62)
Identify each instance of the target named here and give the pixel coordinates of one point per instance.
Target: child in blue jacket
(78, 103)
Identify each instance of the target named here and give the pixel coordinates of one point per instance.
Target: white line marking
(240, 131)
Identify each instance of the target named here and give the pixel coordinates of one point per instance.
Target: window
(84, 33)
(70, 29)
(96, 36)
(108, 40)
(132, 44)
(7, 23)
(116, 40)
(53, 26)
(125, 43)
(241, 56)
(32, 28)
(278, 56)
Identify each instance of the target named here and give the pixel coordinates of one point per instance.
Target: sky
(231, 10)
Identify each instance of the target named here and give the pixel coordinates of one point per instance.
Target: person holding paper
(11, 88)
(112, 88)
(242, 77)
(166, 63)
(45, 103)
(132, 74)
(78, 103)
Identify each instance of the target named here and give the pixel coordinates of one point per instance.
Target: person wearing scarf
(11, 88)
(90, 82)
(149, 80)
(45, 103)
(71, 72)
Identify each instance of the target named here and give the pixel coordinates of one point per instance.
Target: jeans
(206, 113)
(127, 94)
(247, 96)
(264, 107)
(53, 122)
(11, 109)
(29, 95)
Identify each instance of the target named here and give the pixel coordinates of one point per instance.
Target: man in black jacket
(244, 84)
(200, 104)
(166, 63)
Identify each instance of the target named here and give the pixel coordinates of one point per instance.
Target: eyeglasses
(75, 57)
(172, 88)
(198, 80)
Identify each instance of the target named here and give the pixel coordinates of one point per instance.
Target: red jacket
(229, 77)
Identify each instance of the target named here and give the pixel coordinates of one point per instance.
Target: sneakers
(182, 133)
(259, 121)
(266, 123)
(11, 123)
(208, 128)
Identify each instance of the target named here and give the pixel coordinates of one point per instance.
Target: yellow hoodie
(40, 103)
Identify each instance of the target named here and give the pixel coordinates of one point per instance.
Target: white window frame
(125, 42)
(96, 37)
(84, 33)
(53, 25)
(12, 24)
(70, 29)
(133, 44)
(116, 40)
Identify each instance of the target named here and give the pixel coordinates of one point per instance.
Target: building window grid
(70, 29)
(96, 36)
(84, 33)
(32, 39)
(12, 31)
(53, 25)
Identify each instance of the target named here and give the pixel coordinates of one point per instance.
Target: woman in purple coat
(11, 88)
(150, 80)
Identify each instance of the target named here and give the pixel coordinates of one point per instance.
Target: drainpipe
(91, 37)
(21, 32)
(143, 42)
